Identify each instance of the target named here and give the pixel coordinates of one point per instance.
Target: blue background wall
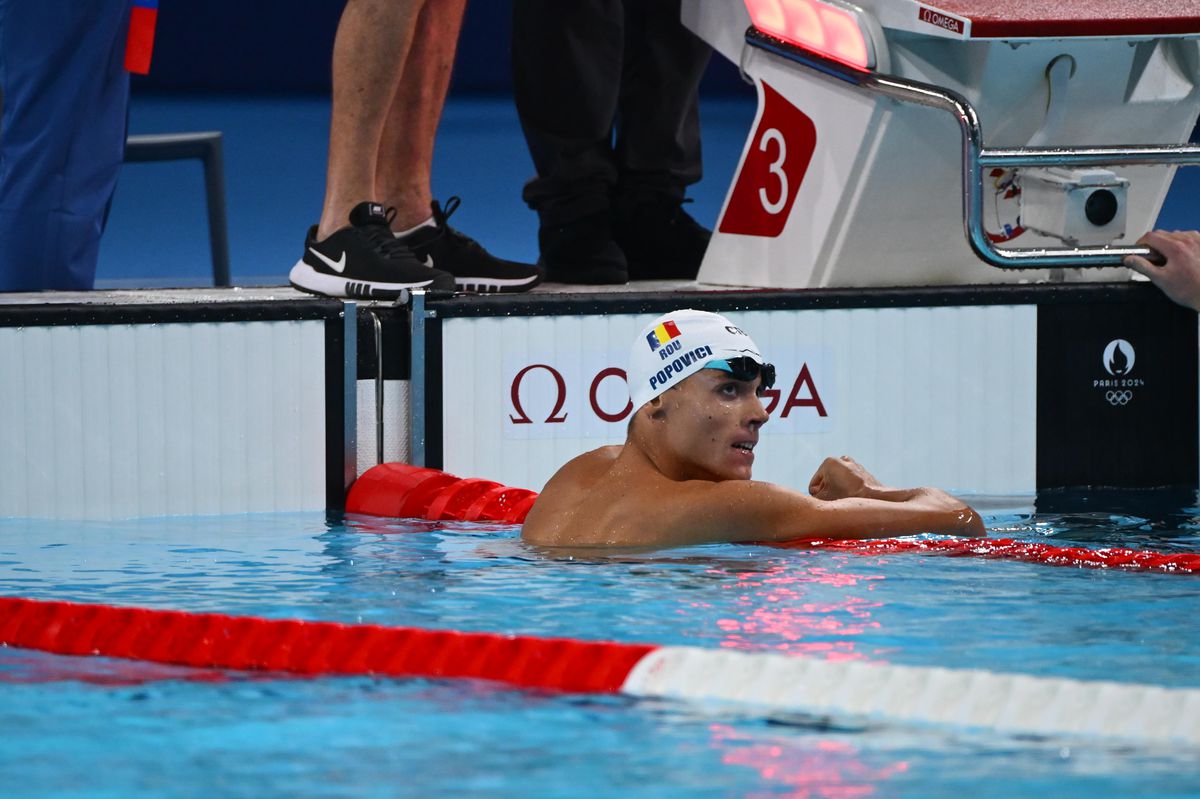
(279, 46)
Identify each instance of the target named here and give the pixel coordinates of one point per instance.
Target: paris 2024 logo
(1118, 360)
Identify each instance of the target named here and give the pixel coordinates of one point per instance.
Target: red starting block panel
(1035, 19)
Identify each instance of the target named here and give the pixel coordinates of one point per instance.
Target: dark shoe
(474, 268)
(661, 241)
(582, 251)
(364, 261)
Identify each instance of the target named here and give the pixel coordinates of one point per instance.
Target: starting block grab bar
(976, 158)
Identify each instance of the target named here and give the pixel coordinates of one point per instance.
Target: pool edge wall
(993, 389)
(132, 404)
(139, 404)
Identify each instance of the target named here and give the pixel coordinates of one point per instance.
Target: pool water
(104, 727)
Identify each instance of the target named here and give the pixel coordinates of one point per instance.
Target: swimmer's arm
(753, 511)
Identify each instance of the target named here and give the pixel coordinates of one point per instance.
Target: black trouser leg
(567, 57)
(658, 130)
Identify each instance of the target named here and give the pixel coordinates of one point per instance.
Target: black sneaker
(661, 241)
(582, 251)
(474, 269)
(364, 261)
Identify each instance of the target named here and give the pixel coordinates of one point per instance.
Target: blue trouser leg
(65, 96)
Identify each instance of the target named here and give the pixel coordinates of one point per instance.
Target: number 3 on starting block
(772, 170)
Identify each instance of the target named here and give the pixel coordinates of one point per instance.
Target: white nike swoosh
(338, 266)
(429, 261)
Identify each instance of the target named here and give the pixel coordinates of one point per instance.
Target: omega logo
(803, 394)
(940, 20)
(560, 396)
(803, 382)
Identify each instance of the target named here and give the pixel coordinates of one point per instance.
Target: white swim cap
(676, 345)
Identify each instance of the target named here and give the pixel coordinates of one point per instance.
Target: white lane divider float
(970, 698)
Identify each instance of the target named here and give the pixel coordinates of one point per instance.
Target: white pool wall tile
(117, 421)
(940, 396)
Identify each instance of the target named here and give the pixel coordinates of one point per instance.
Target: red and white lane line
(1007, 703)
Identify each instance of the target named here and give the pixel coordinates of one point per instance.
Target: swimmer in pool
(683, 475)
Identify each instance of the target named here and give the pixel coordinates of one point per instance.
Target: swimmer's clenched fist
(838, 478)
(683, 474)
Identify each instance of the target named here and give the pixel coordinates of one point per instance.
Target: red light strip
(820, 27)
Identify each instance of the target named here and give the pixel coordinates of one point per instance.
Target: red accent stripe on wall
(212, 640)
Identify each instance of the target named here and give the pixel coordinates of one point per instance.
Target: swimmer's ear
(657, 409)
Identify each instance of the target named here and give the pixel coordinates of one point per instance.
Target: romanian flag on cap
(662, 334)
(139, 44)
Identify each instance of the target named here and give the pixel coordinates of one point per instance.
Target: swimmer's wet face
(696, 378)
(710, 424)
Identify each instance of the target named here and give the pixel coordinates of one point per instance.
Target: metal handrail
(976, 157)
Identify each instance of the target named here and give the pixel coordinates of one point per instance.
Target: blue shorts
(65, 95)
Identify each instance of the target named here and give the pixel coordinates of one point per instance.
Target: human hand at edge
(1179, 277)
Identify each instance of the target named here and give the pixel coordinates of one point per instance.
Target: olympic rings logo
(1118, 397)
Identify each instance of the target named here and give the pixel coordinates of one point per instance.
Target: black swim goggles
(746, 369)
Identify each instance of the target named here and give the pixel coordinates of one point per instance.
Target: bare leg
(373, 43)
(405, 161)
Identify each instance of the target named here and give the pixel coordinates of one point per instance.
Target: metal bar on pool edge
(416, 391)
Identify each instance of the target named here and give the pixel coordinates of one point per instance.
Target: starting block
(901, 143)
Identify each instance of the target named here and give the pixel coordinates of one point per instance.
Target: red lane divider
(212, 640)
(401, 491)
(1009, 549)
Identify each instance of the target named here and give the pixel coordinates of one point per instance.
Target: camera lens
(1100, 208)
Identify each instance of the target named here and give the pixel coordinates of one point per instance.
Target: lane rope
(1010, 549)
(213, 640)
(1007, 703)
(398, 490)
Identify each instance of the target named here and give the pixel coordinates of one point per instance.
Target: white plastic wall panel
(117, 421)
(921, 396)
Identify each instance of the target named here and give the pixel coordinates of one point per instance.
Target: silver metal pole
(378, 386)
(349, 394)
(416, 381)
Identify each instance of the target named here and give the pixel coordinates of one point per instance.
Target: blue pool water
(102, 727)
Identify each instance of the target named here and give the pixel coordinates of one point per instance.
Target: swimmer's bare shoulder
(603, 500)
(611, 497)
(553, 517)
